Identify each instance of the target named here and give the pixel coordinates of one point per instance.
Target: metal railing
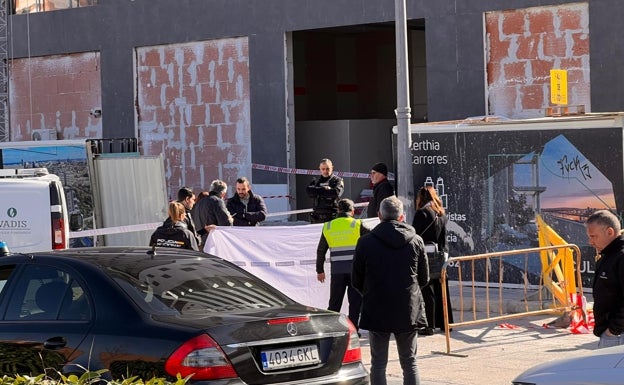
(547, 280)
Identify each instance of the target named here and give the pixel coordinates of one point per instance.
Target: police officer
(325, 191)
(340, 236)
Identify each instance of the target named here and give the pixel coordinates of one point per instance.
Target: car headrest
(50, 296)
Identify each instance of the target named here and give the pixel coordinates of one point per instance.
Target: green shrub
(88, 378)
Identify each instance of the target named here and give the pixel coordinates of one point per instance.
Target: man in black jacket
(247, 208)
(211, 210)
(381, 188)
(604, 233)
(187, 198)
(389, 267)
(326, 191)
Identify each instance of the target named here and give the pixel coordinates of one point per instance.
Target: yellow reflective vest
(342, 235)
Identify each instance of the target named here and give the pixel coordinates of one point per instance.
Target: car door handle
(55, 343)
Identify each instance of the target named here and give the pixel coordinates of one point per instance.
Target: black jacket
(429, 230)
(381, 191)
(247, 215)
(325, 199)
(188, 221)
(608, 289)
(389, 267)
(174, 235)
(210, 210)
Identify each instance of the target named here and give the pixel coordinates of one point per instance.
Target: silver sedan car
(599, 367)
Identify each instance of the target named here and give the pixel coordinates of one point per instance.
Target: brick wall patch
(193, 106)
(523, 45)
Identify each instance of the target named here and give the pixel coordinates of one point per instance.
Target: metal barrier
(490, 259)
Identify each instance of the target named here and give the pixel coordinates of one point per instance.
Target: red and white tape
(154, 225)
(301, 171)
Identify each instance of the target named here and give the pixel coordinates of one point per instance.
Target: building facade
(228, 88)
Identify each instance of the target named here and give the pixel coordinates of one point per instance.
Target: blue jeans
(608, 341)
(406, 346)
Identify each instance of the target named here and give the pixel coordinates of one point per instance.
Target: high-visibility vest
(342, 235)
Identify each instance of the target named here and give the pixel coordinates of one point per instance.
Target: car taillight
(353, 352)
(58, 234)
(202, 358)
(279, 321)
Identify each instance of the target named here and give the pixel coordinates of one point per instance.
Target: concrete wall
(55, 92)
(352, 145)
(454, 40)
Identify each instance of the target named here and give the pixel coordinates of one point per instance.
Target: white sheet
(283, 256)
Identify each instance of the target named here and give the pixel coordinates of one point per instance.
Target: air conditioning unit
(44, 134)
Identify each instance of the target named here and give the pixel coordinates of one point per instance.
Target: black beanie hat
(381, 168)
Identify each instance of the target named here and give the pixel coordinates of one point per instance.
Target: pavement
(488, 353)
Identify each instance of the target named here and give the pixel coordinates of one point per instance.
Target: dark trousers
(338, 284)
(406, 347)
(432, 294)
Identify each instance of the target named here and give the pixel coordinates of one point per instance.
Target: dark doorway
(350, 72)
(344, 87)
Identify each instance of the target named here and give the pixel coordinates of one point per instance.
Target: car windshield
(196, 286)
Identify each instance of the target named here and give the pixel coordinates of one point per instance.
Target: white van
(33, 211)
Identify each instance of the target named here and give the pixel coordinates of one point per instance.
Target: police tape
(302, 171)
(114, 230)
(154, 225)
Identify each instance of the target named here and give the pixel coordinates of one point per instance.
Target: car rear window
(196, 286)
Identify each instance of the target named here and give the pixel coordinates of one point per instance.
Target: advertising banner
(494, 180)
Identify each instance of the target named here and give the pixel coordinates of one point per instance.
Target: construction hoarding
(494, 177)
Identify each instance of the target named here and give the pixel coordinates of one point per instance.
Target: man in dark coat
(605, 234)
(247, 208)
(382, 188)
(187, 198)
(325, 191)
(389, 267)
(211, 211)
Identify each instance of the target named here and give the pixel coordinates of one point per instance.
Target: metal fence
(560, 275)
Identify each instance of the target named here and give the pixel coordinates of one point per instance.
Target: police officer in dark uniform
(325, 191)
(173, 232)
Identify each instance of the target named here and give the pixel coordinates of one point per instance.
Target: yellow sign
(559, 86)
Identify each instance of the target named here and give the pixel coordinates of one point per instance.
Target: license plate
(290, 357)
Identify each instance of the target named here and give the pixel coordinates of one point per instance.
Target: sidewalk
(490, 353)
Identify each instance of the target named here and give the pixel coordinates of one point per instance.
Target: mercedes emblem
(291, 328)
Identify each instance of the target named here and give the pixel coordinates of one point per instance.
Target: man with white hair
(389, 267)
(211, 211)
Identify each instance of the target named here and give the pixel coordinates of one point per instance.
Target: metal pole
(405, 184)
